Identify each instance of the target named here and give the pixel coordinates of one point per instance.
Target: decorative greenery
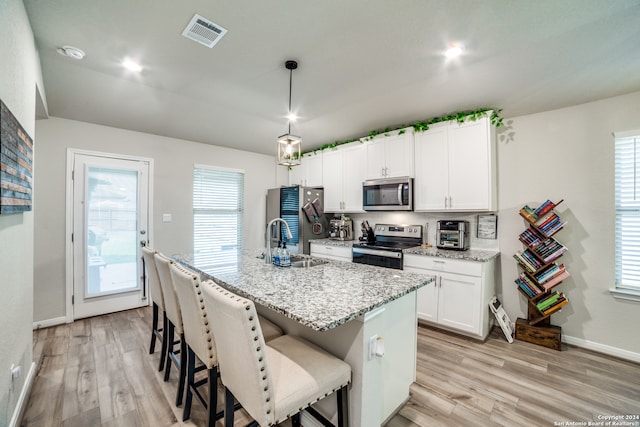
(421, 126)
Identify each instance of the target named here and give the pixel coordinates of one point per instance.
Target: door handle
(400, 194)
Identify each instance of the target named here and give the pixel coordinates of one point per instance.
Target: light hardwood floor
(97, 372)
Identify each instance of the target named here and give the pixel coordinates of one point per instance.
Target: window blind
(218, 208)
(627, 189)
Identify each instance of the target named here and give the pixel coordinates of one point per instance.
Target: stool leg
(170, 346)
(228, 408)
(343, 406)
(165, 341)
(154, 328)
(191, 368)
(183, 369)
(295, 420)
(212, 405)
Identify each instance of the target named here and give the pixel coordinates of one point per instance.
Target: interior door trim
(71, 153)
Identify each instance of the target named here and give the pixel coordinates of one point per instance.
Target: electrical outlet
(372, 347)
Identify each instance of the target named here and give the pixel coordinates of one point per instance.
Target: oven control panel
(394, 230)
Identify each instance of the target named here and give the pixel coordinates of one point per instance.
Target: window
(218, 208)
(627, 189)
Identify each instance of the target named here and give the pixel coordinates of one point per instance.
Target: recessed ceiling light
(71, 52)
(453, 51)
(131, 66)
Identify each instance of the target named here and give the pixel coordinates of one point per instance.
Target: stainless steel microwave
(389, 194)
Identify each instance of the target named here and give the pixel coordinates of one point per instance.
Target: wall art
(16, 164)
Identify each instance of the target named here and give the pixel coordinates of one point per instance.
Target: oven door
(378, 257)
(394, 194)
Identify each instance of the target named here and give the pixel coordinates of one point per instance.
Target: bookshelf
(541, 271)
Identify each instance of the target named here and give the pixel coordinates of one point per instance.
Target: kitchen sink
(304, 262)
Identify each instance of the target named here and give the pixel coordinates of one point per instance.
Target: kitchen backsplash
(429, 221)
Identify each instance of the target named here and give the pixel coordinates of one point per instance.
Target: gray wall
(19, 76)
(173, 174)
(568, 154)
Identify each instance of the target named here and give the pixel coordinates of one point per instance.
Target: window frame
(624, 209)
(229, 260)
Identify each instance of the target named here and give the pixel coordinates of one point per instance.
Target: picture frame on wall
(16, 164)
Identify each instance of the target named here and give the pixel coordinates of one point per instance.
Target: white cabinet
(309, 172)
(390, 156)
(459, 297)
(343, 170)
(455, 167)
(335, 253)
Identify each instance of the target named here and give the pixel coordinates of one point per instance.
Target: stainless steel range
(386, 249)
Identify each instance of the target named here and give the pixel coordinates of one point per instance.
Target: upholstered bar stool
(158, 305)
(200, 343)
(272, 381)
(174, 326)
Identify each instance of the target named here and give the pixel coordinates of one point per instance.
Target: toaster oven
(453, 234)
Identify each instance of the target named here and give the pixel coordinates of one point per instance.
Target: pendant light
(289, 146)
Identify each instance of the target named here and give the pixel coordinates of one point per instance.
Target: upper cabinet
(308, 173)
(344, 169)
(455, 167)
(390, 156)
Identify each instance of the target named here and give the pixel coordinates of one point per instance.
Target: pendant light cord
(289, 113)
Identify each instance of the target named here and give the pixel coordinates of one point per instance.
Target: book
(544, 208)
(550, 310)
(524, 262)
(547, 301)
(555, 280)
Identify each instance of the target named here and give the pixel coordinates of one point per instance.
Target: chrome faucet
(267, 252)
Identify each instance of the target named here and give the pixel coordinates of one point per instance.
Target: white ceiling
(363, 64)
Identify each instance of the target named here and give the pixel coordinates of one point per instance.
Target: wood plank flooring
(97, 372)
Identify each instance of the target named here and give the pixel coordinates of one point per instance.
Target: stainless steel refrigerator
(303, 210)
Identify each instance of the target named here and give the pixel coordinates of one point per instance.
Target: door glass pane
(112, 229)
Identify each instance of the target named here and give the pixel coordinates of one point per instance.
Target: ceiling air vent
(204, 31)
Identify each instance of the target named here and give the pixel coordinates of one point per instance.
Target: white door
(460, 302)
(110, 224)
(332, 180)
(355, 172)
(470, 166)
(431, 186)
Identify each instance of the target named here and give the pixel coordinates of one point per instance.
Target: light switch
(166, 218)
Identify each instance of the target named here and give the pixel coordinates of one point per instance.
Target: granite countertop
(479, 255)
(468, 255)
(320, 297)
(332, 242)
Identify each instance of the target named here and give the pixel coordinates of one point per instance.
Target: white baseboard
(16, 418)
(49, 322)
(602, 348)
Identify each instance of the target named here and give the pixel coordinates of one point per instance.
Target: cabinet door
(399, 155)
(428, 299)
(354, 173)
(376, 162)
(471, 186)
(314, 170)
(431, 184)
(298, 174)
(460, 302)
(332, 166)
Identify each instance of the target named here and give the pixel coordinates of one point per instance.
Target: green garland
(460, 117)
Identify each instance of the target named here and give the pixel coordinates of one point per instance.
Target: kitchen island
(344, 308)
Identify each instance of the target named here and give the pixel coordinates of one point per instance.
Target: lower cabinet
(459, 297)
(335, 253)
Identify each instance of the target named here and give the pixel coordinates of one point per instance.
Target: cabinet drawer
(343, 253)
(446, 265)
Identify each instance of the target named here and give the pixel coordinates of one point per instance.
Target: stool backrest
(241, 351)
(197, 330)
(171, 305)
(155, 291)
